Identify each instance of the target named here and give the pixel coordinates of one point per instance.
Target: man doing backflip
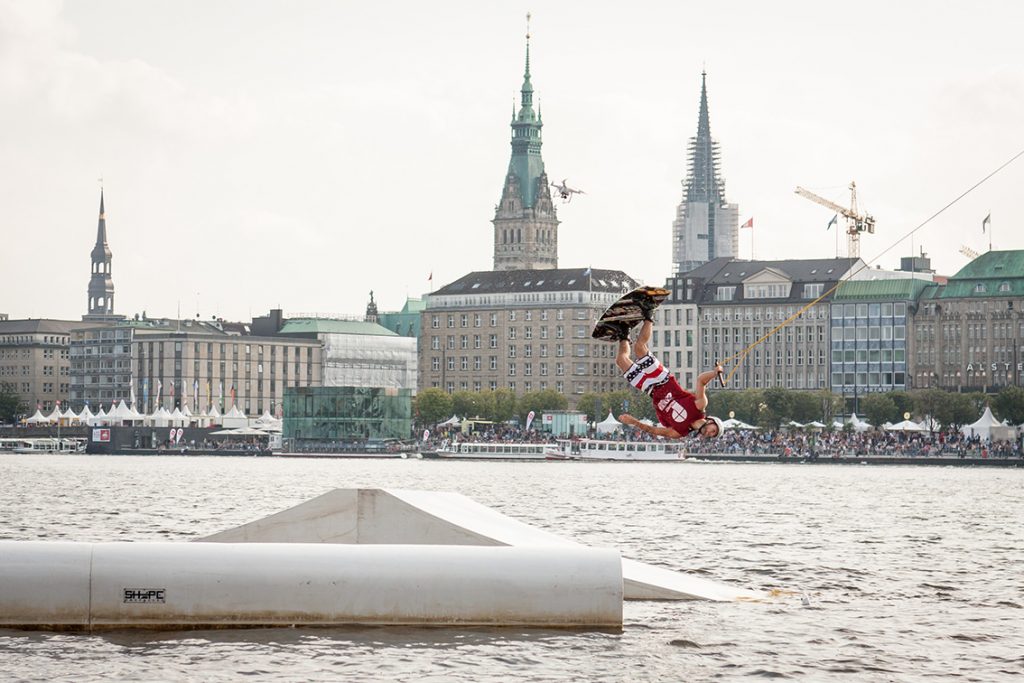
(678, 411)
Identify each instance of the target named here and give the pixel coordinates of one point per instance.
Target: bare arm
(703, 380)
(667, 432)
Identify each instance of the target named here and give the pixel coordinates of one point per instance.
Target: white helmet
(715, 421)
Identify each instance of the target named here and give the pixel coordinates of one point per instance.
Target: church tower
(706, 225)
(525, 221)
(101, 285)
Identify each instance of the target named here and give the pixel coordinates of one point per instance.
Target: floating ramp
(395, 516)
(93, 586)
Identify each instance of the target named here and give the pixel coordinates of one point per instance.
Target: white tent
(609, 424)
(85, 415)
(794, 424)
(733, 423)
(54, 417)
(452, 421)
(815, 425)
(213, 415)
(234, 418)
(99, 418)
(905, 426)
(988, 427)
(37, 418)
(68, 416)
(859, 425)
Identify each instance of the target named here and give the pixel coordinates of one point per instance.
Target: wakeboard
(628, 310)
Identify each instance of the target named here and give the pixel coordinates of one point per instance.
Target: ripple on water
(950, 541)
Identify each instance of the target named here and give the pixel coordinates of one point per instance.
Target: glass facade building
(347, 413)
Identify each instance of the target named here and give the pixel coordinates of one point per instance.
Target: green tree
(930, 403)
(473, 403)
(904, 403)
(879, 408)
(778, 407)
(541, 401)
(591, 405)
(830, 405)
(805, 406)
(504, 405)
(433, 406)
(956, 411)
(10, 403)
(1009, 405)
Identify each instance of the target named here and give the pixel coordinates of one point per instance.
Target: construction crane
(856, 223)
(968, 252)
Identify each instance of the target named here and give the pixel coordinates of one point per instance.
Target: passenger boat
(498, 450)
(42, 445)
(597, 449)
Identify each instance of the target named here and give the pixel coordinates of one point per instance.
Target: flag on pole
(430, 278)
(195, 393)
(586, 272)
(220, 396)
(749, 223)
(832, 222)
(987, 221)
(159, 392)
(131, 394)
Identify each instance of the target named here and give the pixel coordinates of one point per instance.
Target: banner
(529, 419)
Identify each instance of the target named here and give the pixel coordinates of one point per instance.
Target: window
(813, 290)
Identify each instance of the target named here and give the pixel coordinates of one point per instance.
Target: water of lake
(910, 573)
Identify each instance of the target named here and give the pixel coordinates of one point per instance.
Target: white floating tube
(65, 585)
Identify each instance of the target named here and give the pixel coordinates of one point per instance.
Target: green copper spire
(526, 162)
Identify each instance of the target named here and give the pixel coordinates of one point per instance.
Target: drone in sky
(564, 191)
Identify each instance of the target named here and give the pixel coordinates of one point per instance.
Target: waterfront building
(524, 330)
(35, 360)
(525, 220)
(741, 301)
(968, 333)
(174, 363)
(101, 283)
(871, 348)
(346, 413)
(706, 226)
(357, 353)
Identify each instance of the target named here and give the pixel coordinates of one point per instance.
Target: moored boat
(498, 450)
(598, 449)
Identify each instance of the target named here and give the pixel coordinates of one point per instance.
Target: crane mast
(856, 223)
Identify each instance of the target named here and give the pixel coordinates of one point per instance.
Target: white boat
(43, 445)
(474, 450)
(597, 449)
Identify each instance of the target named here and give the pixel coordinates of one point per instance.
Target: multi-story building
(35, 360)
(706, 225)
(189, 362)
(740, 302)
(357, 353)
(525, 330)
(871, 350)
(968, 333)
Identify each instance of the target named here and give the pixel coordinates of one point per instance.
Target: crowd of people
(785, 443)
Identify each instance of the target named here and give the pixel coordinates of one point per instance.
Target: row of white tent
(121, 414)
(986, 427)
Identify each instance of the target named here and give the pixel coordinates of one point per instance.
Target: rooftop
(551, 280)
(332, 326)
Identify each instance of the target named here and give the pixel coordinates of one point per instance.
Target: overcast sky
(300, 154)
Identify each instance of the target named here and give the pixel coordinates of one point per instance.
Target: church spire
(101, 284)
(706, 225)
(525, 224)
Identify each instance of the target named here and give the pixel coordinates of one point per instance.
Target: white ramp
(389, 516)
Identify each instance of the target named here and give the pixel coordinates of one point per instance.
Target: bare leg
(622, 359)
(643, 338)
